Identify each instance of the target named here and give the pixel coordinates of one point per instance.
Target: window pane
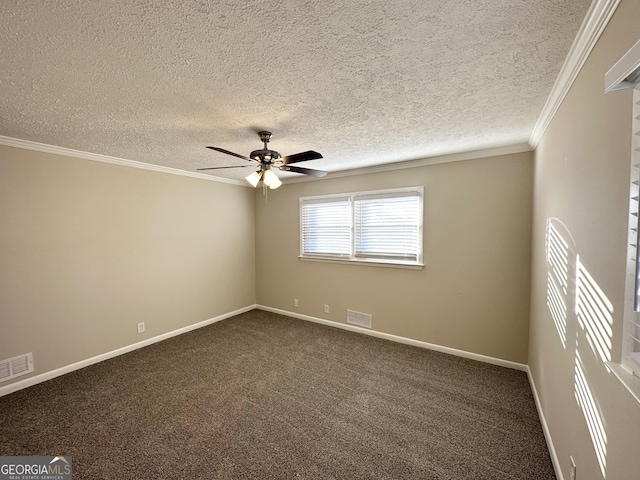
(387, 227)
(326, 228)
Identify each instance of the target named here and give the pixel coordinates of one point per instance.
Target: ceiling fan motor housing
(264, 156)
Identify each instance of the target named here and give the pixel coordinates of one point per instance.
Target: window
(625, 74)
(631, 341)
(383, 226)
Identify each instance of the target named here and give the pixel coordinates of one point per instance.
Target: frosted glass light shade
(271, 180)
(254, 178)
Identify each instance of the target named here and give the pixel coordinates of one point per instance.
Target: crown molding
(598, 16)
(96, 157)
(437, 159)
(423, 162)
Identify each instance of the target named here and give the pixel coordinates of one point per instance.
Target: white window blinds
(631, 345)
(382, 226)
(326, 227)
(387, 225)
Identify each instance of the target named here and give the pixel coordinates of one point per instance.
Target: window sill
(371, 263)
(629, 380)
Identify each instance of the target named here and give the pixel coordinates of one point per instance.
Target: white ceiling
(364, 82)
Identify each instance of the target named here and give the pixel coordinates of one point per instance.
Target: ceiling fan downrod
(265, 155)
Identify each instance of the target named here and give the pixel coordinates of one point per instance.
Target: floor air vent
(16, 366)
(359, 318)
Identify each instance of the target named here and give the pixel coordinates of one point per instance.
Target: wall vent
(16, 366)
(359, 318)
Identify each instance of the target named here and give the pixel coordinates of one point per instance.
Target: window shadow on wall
(588, 404)
(560, 256)
(594, 312)
(577, 304)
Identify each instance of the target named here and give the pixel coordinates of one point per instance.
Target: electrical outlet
(572, 475)
(141, 327)
(295, 302)
(326, 309)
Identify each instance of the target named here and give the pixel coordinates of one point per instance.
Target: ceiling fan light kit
(254, 178)
(271, 180)
(266, 159)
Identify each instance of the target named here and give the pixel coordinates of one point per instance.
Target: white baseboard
(387, 336)
(545, 428)
(43, 377)
(396, 338)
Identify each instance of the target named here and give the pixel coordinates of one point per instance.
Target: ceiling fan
(264, 159)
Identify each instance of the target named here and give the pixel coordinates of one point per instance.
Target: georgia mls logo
(35, 468)
(60, 459)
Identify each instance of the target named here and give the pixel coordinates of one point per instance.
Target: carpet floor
(264, 396)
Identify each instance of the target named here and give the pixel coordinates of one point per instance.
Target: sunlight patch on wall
(591, 413)
(557, 254)
(558, 309)
(594, 312)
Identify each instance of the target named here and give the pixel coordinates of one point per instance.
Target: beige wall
(581, 184)
(89, 249)
(473, 293)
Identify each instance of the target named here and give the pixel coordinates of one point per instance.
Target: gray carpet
(265, 396)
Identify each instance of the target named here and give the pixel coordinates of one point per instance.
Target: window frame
(352, 257)
(625, 75)
(631, 330)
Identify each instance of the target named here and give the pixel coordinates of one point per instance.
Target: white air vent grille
(5, 371)
(359, 318)
(16, 366)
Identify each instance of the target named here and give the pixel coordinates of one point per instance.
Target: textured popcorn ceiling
(362, 82)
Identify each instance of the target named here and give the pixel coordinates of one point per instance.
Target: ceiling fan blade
(222, 150)
(300, 157)
(306, 171)
(216, 168)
